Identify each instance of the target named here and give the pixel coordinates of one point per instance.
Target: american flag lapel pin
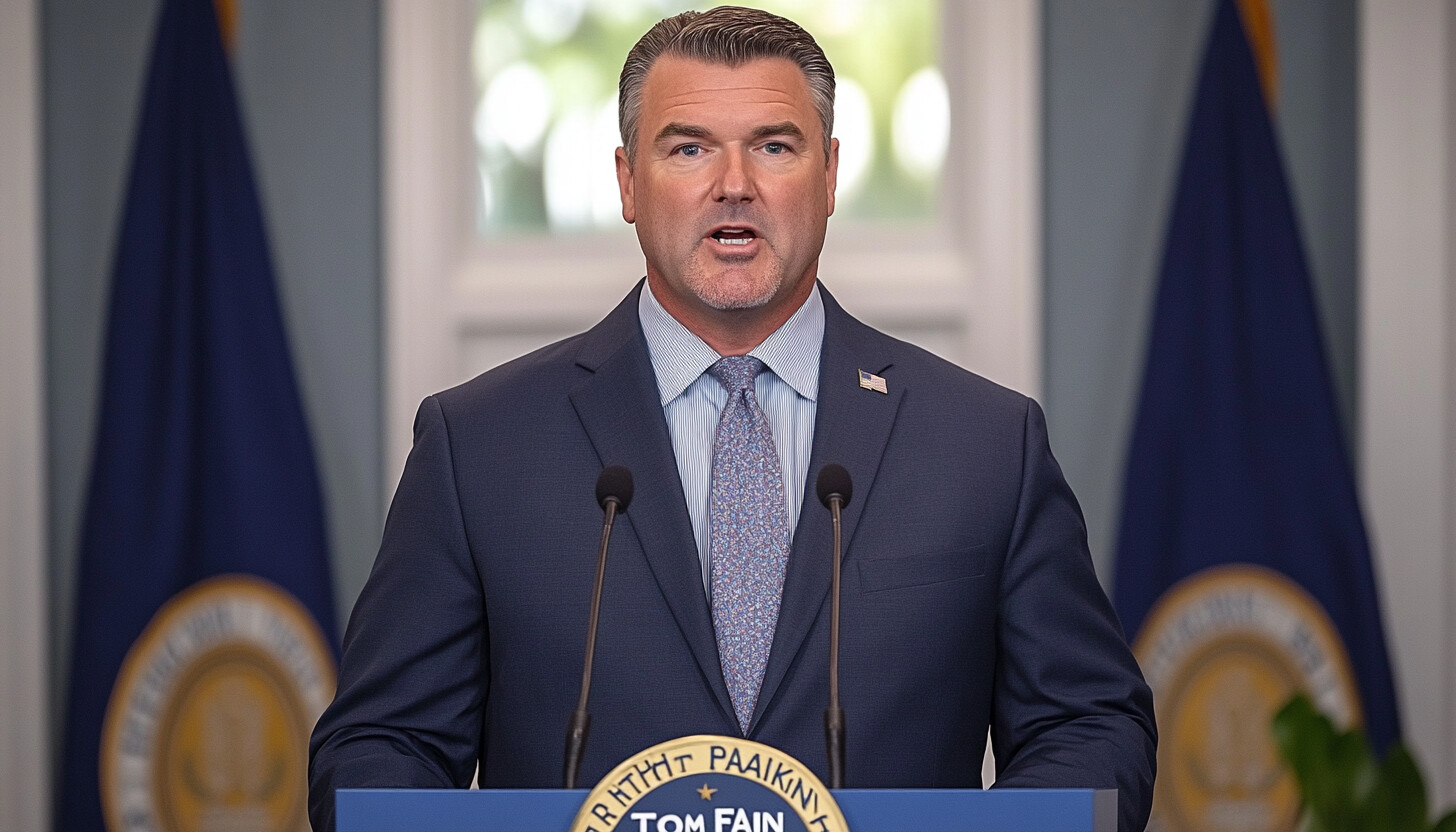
(870, 381)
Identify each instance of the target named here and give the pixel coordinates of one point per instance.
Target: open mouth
(734, 236)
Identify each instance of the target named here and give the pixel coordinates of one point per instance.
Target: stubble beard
(716, 292)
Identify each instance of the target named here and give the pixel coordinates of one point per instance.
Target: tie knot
(736, 372)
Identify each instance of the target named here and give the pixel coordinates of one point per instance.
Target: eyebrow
(678, 129)
(783, 128)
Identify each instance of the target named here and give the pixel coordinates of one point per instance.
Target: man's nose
(735, 180)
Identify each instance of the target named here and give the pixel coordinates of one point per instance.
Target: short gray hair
(730, 35)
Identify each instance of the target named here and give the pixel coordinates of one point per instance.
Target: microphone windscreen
(614, 483)
(834, 480)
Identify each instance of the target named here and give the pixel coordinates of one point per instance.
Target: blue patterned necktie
(749, 534)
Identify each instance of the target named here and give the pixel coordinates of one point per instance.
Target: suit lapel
(852, 427)
(620, 410)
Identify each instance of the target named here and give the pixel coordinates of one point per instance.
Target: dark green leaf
(1305, 739)
(1355, 772)
(1446, 824)
(1402, 777)
(1398, 801)
(1308, 741)
(1310, 823)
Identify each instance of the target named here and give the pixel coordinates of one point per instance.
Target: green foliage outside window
(545, 75)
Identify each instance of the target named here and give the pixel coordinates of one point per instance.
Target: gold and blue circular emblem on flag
(207, 726)
(1223, 650)
(708, 783)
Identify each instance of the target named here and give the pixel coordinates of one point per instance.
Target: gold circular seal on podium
(707, 783)
(207, 727)
(1223, 650)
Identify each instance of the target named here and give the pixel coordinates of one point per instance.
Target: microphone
(834, 489)
(614, 485)
(614, 492)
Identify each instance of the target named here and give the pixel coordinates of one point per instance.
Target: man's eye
(776, 148)
(689, 150)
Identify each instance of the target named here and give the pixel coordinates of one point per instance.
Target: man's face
(730, 190)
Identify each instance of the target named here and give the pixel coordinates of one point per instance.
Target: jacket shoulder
(921, 369)
(552, 367)
(548, 372)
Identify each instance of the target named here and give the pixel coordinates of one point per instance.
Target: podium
(865, 810)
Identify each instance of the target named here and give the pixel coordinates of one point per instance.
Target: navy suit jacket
(969, 596)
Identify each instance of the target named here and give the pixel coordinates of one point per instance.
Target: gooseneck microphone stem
(580, 724)
(834, 714)
(614, 491)
(834, 489)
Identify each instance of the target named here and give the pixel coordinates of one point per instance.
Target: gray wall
(308, 78)
(1119, 78)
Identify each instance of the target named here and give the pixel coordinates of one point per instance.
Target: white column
(425, 170)
(1408, 357)
(24, 758)
(1003, 105)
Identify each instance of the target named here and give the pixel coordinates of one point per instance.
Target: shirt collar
(679, 357)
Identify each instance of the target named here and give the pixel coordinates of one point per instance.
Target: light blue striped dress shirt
(788, 392)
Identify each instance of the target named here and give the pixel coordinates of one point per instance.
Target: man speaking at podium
(725, 382)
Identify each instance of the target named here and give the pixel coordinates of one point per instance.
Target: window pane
(545, 120)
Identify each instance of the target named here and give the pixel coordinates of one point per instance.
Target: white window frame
(974, 284)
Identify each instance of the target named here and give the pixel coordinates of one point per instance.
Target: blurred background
(436, 183)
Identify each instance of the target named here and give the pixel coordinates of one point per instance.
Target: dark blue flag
(1243, 566)
(204, 642)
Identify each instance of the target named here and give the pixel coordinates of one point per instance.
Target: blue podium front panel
(865, 810)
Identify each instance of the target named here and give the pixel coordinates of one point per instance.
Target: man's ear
(831, 173)
(624, 186)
